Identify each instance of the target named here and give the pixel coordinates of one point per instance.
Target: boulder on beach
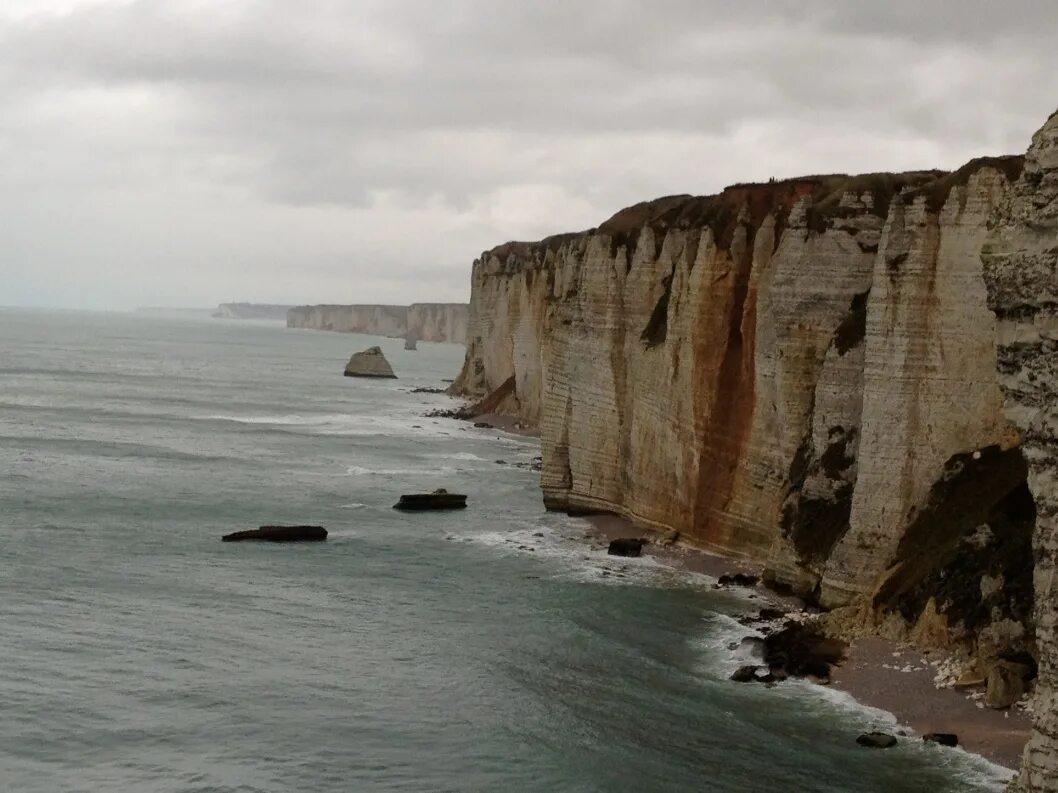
(625, 546)
(369, 363)
(1007, 682)
(438, 499)
(941, 738)
(802, 651)
(738, 579)
(279, 534)
(877, 740)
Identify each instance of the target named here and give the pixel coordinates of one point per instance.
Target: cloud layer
(191, 151)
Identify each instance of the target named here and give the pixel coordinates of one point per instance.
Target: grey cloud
(468, 122)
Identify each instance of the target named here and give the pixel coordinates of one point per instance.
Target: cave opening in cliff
(967, 555)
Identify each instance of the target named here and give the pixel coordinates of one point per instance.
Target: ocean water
(446, 652)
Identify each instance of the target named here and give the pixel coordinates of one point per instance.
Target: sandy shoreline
(877, 672)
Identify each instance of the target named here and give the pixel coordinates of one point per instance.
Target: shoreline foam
(871, 675)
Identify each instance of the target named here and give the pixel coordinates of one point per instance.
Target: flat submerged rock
(437, 500)
(279, 534)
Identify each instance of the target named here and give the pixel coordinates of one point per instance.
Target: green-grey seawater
(430, 652)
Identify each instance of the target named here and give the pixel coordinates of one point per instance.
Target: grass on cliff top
(720, 212)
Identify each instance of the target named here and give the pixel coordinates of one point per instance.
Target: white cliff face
(806, 374)
(376, 320)
(443, 322)
(1021, 272)
(438, 322)
(731, 367)
(929, 386)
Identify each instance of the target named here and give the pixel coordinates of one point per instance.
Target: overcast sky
(188, 152)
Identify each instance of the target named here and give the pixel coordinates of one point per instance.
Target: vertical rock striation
(437, 322)
(852, 380)
(1021, 272)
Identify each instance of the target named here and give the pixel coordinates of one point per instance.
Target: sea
(491, 649)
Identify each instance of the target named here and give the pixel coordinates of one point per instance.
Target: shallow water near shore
(488, 649)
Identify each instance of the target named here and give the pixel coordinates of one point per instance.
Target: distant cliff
(446, 322)
(804, 373)
(251, 311)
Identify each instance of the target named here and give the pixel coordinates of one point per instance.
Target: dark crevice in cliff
(853, 328)
(658, 325)
(815, 522)
(976, 521)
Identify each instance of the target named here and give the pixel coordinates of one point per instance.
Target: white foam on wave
(337, 423)
(724, 632)
(562, 545)
(466, 456)
(359, 470)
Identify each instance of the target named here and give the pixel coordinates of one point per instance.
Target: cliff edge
(805, 373)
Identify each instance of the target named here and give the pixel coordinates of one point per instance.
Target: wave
(93, 448)
(560, 542)
(345, 424)
(358, 470)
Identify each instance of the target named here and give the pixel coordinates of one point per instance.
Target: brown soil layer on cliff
(872, 674)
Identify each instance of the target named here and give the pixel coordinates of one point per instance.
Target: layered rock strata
(443, 322)
(800, 372)
(1021, 272)
(850, 379)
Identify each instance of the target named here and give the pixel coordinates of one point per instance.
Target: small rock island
(369, 363)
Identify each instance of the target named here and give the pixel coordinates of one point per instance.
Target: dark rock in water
(745, 674)
(739, 579)
(279, 534)
(802, 651)
(537, 464)
(438, 499)
(369, 363)
(483, 425)
(427, 390)
(625, 546)
(876, 740)
(942, 738)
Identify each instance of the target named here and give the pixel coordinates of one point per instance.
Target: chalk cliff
(445, 322)
(804, 373)
(1021, 272)
(251, 311)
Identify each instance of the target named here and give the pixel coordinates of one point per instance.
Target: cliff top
(721, 212)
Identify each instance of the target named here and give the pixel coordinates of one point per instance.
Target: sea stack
(369, 363)
(410, 342)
